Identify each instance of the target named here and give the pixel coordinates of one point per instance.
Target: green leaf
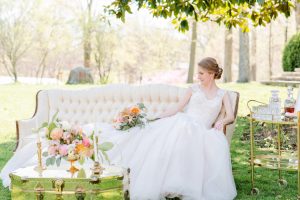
(58, 161)
(54, 116)
(105, 156)
(48, 161)
(45, 124)
(184, 24)
(45, 154)
(81, 174)
(52, 160)
(106, 146)
(51, 127)
(81, 160)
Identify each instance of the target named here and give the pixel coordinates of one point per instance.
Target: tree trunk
(192, 53)
(286, 30)
(87, 47)
(244, 64)
(14, 71)
(298, 16)
(270, 52)
(228, 56)
(253, 57)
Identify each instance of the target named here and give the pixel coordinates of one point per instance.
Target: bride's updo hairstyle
(211, 65)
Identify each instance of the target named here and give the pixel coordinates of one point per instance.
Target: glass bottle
(275, 105)
(289, 103)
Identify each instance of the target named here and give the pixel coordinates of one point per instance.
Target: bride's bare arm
(181, 104)
(229, 117)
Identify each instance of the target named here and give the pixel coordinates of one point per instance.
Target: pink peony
(52, 150)
(86, 142)
(56, 134)
(63, 150)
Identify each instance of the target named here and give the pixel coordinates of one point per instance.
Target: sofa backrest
(104, 103)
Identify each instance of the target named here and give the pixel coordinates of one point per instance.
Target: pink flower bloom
(63, 150)
(56, 134)
(86, 142)
(120, 120)
(52, 150)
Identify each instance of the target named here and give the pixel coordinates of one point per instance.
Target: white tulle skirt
(174, 156)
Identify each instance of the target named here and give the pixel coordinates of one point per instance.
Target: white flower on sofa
(65, 125)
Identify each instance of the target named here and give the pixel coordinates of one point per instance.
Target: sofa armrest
(228, 130)
(24, 127)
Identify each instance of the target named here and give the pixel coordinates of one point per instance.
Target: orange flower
(80, 148)
(135, 110)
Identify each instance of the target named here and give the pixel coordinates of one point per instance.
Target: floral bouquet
(70, 143)
(131, 117)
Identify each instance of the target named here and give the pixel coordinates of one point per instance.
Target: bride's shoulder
(194, 87)
(222, 92)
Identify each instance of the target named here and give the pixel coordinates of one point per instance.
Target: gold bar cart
(278, 160)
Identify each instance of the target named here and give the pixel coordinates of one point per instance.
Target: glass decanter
(275, 105)
(289, 103)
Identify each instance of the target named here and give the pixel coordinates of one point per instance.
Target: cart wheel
(254, 191)
(282, 183)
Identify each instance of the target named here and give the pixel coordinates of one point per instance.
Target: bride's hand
(219, 125)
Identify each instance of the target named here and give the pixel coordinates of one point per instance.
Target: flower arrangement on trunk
(70, 143)
(130, 117)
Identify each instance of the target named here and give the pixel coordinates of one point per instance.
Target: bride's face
(205, 76)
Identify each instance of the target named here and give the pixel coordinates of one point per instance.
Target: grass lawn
(18, 102)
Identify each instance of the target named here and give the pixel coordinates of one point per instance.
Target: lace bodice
(203, 109)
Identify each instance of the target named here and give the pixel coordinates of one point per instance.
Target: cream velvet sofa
(103, 103)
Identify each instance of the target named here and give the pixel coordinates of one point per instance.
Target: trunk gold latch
(39, 191)
(80, 193)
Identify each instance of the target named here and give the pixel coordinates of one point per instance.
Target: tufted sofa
(103, 103)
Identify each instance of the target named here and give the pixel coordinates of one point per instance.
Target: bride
(183, 154)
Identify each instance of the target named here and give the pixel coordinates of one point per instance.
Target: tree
(87, 26)
(15, 34)
(270, 51)
(244, 65)
(103, 52)
(231, 13)
(228, 56)
(86, 17)
(253, 55)
(192, 53)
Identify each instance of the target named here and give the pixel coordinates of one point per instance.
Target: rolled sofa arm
(228, 130)
(24, 127)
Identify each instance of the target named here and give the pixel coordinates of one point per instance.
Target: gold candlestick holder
(40, 166)
(97, 168)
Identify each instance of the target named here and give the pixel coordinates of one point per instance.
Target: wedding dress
(181, 155)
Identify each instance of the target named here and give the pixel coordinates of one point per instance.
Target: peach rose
(135, 110)
(56, 134)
